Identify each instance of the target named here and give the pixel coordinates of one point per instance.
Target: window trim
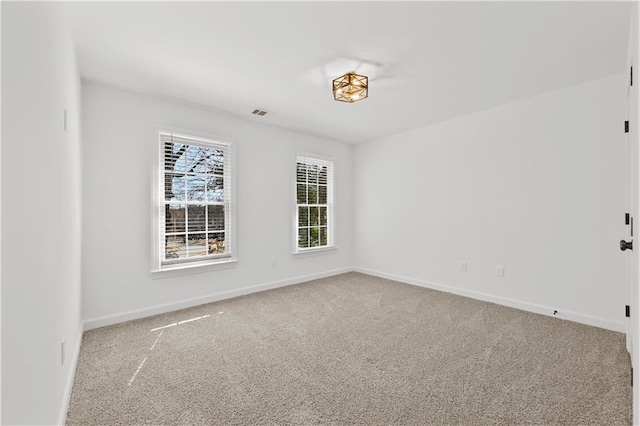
(231, 237)
(331, 197)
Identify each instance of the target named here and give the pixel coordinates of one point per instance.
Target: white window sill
(314, 252)
(193, 268)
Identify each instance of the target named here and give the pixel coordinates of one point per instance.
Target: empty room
(301, 213)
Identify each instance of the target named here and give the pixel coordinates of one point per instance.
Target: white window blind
(196, 200)
(314, 203)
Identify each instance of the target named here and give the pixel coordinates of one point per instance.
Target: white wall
(0, 216)
(41, 212)
(537, 186)
(119, 149)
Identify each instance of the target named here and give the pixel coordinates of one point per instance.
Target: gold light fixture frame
(351, 87)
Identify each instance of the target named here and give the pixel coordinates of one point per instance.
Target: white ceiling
(427, 61)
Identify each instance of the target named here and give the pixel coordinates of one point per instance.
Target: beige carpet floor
(351, 349)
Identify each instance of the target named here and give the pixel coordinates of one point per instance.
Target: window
(314, 203)
(195, 212)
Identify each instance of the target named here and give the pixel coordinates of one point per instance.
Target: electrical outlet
(274, 261)
(62, 352)
(463, 266)
(500, 271)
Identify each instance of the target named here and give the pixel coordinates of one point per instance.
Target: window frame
(320, 160)
(159, 263)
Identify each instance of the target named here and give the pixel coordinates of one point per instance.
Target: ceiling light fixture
(351, 87)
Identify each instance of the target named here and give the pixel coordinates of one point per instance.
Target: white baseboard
(62, 418)
(525, 306)
(215, 297)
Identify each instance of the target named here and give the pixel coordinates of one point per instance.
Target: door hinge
(627, 311)
(626, 218)
(626, 126)
(631, 77)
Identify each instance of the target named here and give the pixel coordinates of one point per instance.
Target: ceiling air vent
(259, 112)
